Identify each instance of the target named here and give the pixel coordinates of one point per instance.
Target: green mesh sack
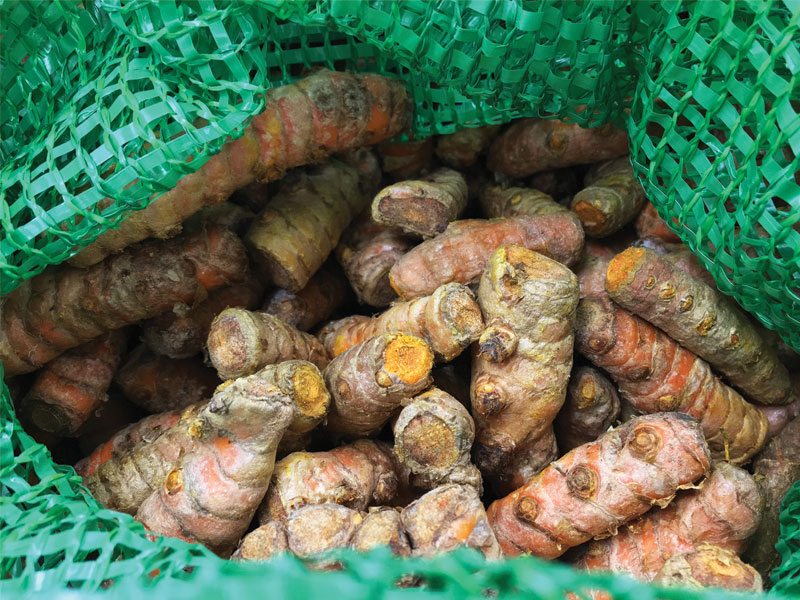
(98, 115)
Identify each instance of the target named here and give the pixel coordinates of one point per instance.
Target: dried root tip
(382, 527)
(367, 252)
(591, 407)
(497, 201)
(446, 518)
(68, 390)
(650, 226)
(433, 437)
(241, 342)
(498, 342)
(183, 333)
(311, 403)
(461, 149)
(424, 206)
(589, 491)
(357, 475)
(613, 197)
(709, 566)
(448, 320)
(700, 319)
(402, 160)
(325, 293)
(532, 145)
(369, 381)
(158, 384)
(293, 236)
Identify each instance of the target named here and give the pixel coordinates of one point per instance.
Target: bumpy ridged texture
(497, 201)
(701, 320)
(301, 225)
(530, 146)
(611, 199)
(303, 123)
(241, 341)
(214, 489)
(356, 475)
(65, 307)
(596, 488)
(370, 380)
(521, 362)
(461, 252)
(654, 373)
(724, 511)
(68, 389)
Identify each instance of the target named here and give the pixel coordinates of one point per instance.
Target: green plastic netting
(100, 100)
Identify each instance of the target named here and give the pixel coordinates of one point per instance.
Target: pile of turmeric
(304, 383)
